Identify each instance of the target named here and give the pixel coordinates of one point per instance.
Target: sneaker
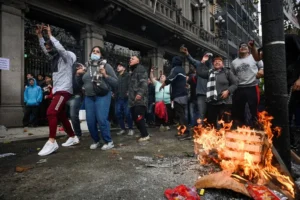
(131, 132)
(167, 128)
(121, 132)
(95, 145)
(108, 146)
(25, 129)
(161, 128)
(185, 136)
(142, 139)
(71, 141)
(48, 148)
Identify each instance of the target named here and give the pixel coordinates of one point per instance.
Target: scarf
(211, 94)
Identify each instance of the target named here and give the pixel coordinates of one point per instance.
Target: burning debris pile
(245, 156)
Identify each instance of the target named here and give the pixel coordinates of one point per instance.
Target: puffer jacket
(33, 95)
(138, 85)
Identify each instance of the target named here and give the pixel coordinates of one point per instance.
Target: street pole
(275, 74)
(227, 43)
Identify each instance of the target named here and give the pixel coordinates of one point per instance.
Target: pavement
(130, 171)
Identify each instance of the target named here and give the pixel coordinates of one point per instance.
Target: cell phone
(209, 54)
(182, 46)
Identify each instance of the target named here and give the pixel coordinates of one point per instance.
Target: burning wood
(245, 152)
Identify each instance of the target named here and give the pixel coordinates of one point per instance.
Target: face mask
(95, 57)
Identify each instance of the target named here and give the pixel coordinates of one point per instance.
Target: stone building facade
(154, 29)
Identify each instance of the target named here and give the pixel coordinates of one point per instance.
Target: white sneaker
(108, 146)
(143, 139)
(121, 132)
(161, 128)
(48, 148)
(167, 128)
(95, 145)
(71, 141)
(131, 132)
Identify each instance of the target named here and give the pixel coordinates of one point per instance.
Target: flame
(181, 130)
(244, 151)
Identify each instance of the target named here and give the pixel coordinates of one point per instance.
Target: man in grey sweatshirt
(61, 66)
(248, 71)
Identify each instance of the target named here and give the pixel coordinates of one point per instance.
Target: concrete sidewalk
(18, 134)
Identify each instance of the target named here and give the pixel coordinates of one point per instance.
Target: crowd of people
(208, 93)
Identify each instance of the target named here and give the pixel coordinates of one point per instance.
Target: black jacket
(123, 86)
(177, 79)
(138, 85)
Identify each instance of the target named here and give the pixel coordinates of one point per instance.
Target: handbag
(99, 85)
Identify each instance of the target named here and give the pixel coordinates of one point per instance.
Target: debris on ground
(22, 169)
(30, 134)
(181, 192)
(143, 158)
(42, 161)
(121, 145)
(7, 154)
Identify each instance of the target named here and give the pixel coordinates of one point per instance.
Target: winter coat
(177, 79)
(225, 80)
(33, 95)
(138, 85)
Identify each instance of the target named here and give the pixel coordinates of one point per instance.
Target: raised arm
(56, 44)
(38, 32)
(254, 51)
(194, 62)
(152, 77)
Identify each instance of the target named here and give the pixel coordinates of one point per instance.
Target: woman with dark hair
(98, 80)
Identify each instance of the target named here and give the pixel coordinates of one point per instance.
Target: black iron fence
(36, 61)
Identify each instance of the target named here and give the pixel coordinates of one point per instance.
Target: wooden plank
(239, 136)
(241, 146)
(238, 155)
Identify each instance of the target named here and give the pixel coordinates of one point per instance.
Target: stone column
(12, 80)
(157, 60)
(92, 36)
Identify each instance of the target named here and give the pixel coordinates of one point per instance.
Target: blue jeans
(75, 104)
(194, 114)
(122, 110)
(97, 110)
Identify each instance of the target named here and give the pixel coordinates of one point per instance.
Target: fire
(243, 151)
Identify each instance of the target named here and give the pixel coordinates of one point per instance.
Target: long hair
(102, 51)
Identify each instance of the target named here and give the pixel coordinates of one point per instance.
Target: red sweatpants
(57, 112)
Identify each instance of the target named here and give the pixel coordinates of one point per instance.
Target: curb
(39, 137)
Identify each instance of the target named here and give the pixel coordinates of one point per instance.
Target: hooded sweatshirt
(33, 95)
(62, 78)
(177, 79)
